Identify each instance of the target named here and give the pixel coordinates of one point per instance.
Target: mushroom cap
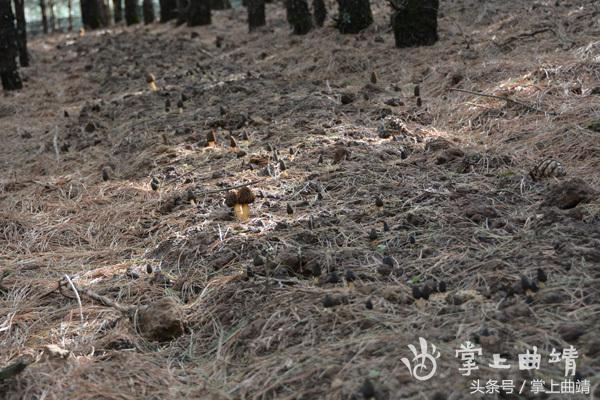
(231, 198)
(245, 195)
(150, 77)
(210, 137)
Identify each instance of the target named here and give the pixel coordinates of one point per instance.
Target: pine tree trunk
(21, 32)
(182, 11)
(70, 16)
(256, 14)
(354, 15)
(44, 17)
(118, 11)
(9, 73)
(93, 14)
(299, 16)
(104, 13)
(52, 17)
(199, 13)
(131, 12)
(319, 12)
(168, 10)
(148, 11)
(415, 23)
(220, 4)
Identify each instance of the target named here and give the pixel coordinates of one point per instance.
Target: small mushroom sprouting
(151, 80)
(211, 139)
(154, 182)
(240, 201)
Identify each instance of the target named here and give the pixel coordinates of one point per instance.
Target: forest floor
(318, 303)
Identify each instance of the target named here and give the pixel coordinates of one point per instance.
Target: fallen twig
(77, 297)
(127, 310)
(508, 99)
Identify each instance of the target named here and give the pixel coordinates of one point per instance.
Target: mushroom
(239, 200)
(154, 183)
(211, 139)
(151, 82)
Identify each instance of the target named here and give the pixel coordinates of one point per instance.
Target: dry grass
(269, 335)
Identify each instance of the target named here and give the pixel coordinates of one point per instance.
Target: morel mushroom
(240, 201)
(151, 82)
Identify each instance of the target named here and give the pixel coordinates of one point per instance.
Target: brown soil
(311, 297)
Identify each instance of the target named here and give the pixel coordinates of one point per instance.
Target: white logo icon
(424, 361)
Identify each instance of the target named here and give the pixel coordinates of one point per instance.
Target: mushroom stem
(242, 211)
(153, 86)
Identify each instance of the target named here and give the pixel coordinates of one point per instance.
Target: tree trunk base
(415, 23)
(319, 12)
(220, 4)
(11, 80)
(256, 14)
(298, 15)
(148, 11)
(199, 13)
(354, 16)
(168, 10)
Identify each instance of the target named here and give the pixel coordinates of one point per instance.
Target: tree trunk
(118, 11)
(168, 10)
(131, 12)
(148, 11)
(415, 23)
(21, 32)
(354, 16)
(319, 12)
(299, 16)
(52, 16)
(93, 14)
(44, 17)
(70, 16)
(256, 14)
(220, 4)
(199, 13)
(9, 73)
(104, 12)
(182, 11)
